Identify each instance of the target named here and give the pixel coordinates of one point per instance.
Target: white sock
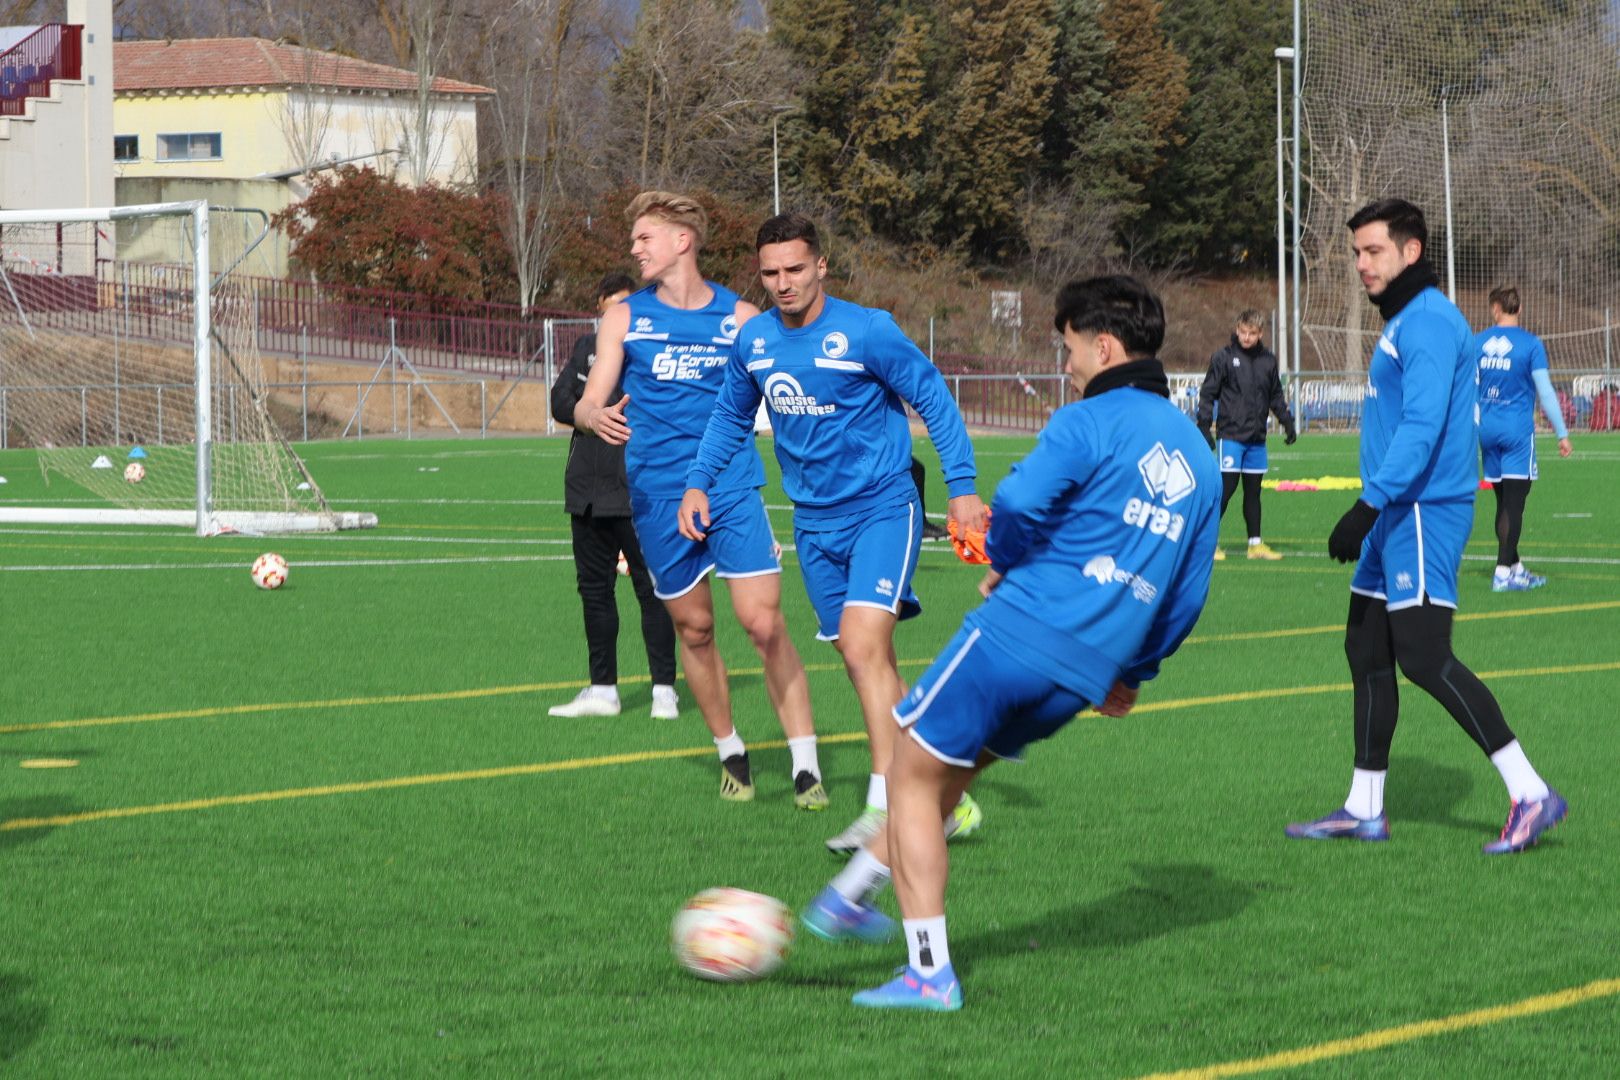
(1518, 567)
(925, 938)
(1253, 540)
(663, 686)
(877, 791)
(1503, 572)
(1366, 799)
(1523, 782)
(730, 745)
(861, 879)
(803, 750)
(609, 692)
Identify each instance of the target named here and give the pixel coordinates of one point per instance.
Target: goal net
(128, 362)
(1503, 119)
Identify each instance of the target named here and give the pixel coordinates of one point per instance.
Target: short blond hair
(1252, 319)
(672, 209)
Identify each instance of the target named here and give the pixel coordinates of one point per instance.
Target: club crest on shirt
(834, 345)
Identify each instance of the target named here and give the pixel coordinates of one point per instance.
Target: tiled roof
(219, 63)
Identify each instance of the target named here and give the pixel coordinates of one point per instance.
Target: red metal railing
(55, 51)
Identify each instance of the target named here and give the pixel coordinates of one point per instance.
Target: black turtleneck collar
(1258, 347)
(1145, 374)
(1407, 284)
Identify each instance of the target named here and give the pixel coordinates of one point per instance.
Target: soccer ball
(134, 472)
(732, 935)
(269, 571)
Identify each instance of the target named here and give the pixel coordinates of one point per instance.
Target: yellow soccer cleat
(736, 781)
(1220, 556)
(1263, 551)
(808, 794)
(965, 820)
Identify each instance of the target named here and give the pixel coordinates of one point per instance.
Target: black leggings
(597, 543)
(1419, 640)
(1511, 496)
(1251, 498)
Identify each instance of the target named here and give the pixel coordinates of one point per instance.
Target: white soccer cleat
(666, 705)
(591, 701)
(862, 829)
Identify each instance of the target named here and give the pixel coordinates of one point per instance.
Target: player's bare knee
(764, 625)
(695, 633)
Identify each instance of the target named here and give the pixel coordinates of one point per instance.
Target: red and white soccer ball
(269, 571)
(134, 472)
(732, 935)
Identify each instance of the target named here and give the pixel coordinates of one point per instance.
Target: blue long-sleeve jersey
(1512, 365)
(836, 389)
(1106, 535)
(1419, 435)
(674, 364)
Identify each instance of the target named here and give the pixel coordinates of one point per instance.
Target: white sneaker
(592, 701)
(666, 706)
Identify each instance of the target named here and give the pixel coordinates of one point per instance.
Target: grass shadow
(28, 810)
(1431, 793)
(21, 1017)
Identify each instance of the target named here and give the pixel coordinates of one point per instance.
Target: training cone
(137, 453)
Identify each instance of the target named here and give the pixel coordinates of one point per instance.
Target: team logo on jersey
(759, 344)
(834, 345)
(1106, 572)
(728, 327)
(1403, 581)
(1236, 362)
(1495, 354)
(786, 396)
(1167, 475)
(643, 325)
(1386, 344)
(885, 587)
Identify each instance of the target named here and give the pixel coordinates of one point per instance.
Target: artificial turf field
(332, 831)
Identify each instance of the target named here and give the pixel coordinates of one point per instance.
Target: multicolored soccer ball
(134, 472)
(732, 935)
(269, 571)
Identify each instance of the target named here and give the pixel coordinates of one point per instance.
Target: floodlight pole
(1283, 351)
(1297, 203)
(1445, 162)
(776, 172)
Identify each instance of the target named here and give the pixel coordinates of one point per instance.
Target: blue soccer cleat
(939, 992)
(1518, 581)
(832, 918)
(1526, 821)
(1340, 825)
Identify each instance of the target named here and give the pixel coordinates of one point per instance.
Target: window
(126, 148)
(192, 147)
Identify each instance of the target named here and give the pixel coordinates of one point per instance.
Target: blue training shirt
(674, 364)
(1106, 536)
(1419, 437)
(1507, 358)
(836, 389)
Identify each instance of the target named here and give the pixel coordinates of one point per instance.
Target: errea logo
(759, 344)
(1166, 475)
(1495, 354)
(643, 325)
(835, 345)
(885, 587)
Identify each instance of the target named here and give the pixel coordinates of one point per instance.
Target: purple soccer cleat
(1526, 821)
(1340, 825)
(939, 992)
(832, 918)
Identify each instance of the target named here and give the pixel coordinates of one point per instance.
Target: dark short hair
(1506, 297)
(1403, 220)
(614, 283)
(1116, 305)
(785, 228)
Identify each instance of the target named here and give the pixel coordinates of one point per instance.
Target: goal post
(129, 363)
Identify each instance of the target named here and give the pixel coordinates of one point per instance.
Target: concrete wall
(228, 233)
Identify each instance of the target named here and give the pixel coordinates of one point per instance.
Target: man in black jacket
(1243, 378)
(597, 499)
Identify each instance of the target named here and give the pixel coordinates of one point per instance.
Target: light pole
(776, 158)
(1283, 350)
(1298, 210)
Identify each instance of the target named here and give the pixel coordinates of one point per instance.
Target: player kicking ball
(836, 377)
(1406, 535)
(1100, 561)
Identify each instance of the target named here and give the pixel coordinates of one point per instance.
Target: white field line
(301, 564)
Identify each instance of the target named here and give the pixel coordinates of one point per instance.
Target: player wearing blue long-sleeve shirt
(1512, 366)
(1101, 545)
(1407, 533)
(836, 377)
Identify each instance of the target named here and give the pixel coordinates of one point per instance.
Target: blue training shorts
(1413, 553)
(1508, 456)
(738, 542)
(862, 561)
(976, 696)
(1242, 456)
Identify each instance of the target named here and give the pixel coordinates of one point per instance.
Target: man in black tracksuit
(1243, 379)
(597, 498)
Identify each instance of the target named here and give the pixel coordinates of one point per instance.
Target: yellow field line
(662, 755)
(1377, 1040)
(213, 711)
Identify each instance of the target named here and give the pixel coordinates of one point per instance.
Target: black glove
(1209, 437)
(1293, 436)
(1345, 542)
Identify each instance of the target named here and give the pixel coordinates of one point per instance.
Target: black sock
(1251, 504)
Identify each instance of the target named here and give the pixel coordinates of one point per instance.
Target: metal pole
(1606, 342)
(1445, 163)
(1294, 154)
(483, 409)
(303, 356)
(1279, 334)
(776, 172)
(205, 387)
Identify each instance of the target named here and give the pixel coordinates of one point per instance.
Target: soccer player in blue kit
(1101, 546)
(1513, 375)
(835, 377)
(1406, 535)
(669, 345)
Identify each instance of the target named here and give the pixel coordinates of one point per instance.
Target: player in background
(837, 377)
(669, 344)
(1100, 559)
(1407, 531)
(1243, 379)
(1512, 376)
